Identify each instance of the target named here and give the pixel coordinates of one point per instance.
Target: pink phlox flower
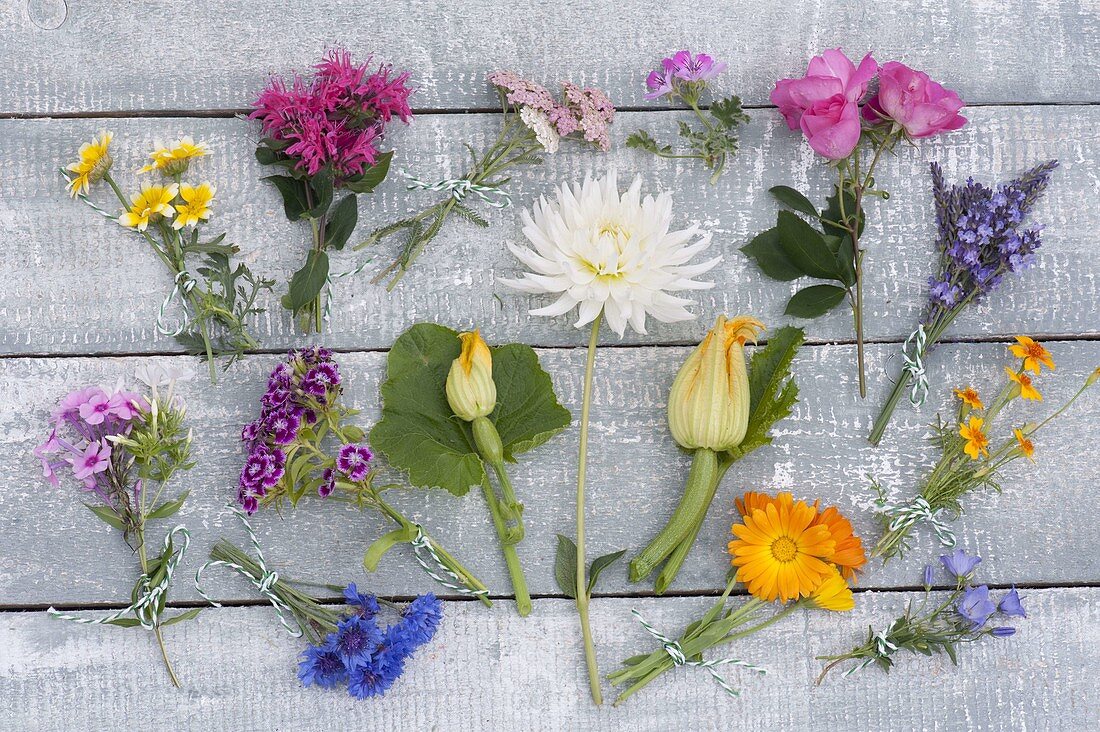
(96, 408)
(95, 459)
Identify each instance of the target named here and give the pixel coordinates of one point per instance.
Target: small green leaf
(168, 508)
(107, 515)
(635, 660)
(124, 622)
(845, 261)
(372, 176)
(293, 191)
(832, 213)
(565, 567)
(307, 283)
(266, 156)
(599, 564)
(765, 251)
(321, 187)
(793, 199)
(810, 302)
(353, 433)
(641, 140)
(728, 112)
(190, 614)
(805, 247)
(341, 222)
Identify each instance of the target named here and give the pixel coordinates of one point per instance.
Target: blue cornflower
(355, 640)
(421, 618)
(1011, 605)
(367, 604)
(1003, 631)
(376, 676)
(975, 606)
(959, 564)
(321, 665)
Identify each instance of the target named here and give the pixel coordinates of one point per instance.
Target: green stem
(582, 581)
(699, 490)
(140, 531)
(511, 557)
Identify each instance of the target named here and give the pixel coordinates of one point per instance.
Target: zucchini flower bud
(709, 403)
(470, 388)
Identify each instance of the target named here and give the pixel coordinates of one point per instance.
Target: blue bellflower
(1011, 605)
(959, 564)
(975, 606)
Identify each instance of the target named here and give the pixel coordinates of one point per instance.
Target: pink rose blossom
(827, 75)
(832, 127)
(911, 99)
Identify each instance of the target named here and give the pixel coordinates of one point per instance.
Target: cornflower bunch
(981, 239)
(969, 460)
(123, 448)
(534, 123)
(212, 315)
(964, 616)
(325, 134)
(288, 455)
(685, 76)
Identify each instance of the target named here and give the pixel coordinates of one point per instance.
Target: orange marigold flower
(969, 397)
(752, 500)
(1027, 391)
(1026, 446)
(976, 441)
(1032, 353)
(833, 593)
(848, 554)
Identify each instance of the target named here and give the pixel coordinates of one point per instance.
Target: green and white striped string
(421, 543)
(914, 365)
(459, 188)
(330, 282)
(676, 653)
(908, 513)
(264, 584)
(145, 607)
(181, 288)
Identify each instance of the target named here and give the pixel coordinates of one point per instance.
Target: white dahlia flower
(609, 252)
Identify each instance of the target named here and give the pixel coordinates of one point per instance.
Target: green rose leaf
(793, 199)
(805, 247)
(832, 213)
(418, 432)
(810, 302)
(765, 251)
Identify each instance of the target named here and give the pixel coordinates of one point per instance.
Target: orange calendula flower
(970, 398)
(1027, 447)
(976, 441)
(1027, 391)
(1032, 353)
(848, 554)
(752, 501)
(779, 554)
(833, 593)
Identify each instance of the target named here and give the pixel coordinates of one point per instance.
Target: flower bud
(470, 388)
(709, 403)
(1093, 377)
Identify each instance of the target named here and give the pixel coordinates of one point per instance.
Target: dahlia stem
(581, 591)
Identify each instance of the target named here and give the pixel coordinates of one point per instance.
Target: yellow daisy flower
(970, 398)
(976, 441)
(1027, 391)
(779, 554)
(153, 200)
(1026, 446)
(833, 594)
(1032, 353)
(173, 160)
(196, 205)
(95, 161)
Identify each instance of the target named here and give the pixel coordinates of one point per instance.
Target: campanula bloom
(975, 606)
(1011, 606)
(959, 564)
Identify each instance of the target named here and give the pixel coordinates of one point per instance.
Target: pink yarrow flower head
(337, 118)
(521, 92)
(911, 99)
(587, 110)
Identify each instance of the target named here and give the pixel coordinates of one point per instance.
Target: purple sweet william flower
(911, 99)
(328, 483)
(959, 563)
(354, 462)
(829, 75)
(284, 427)
(1011, 605)
(975, 606)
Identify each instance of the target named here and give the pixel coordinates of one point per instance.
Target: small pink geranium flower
(96, 459)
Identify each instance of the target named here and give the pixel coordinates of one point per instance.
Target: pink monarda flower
(824, 103)
(911, 99)
(336, 119)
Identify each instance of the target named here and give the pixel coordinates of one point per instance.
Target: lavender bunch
(289, 456)
(981, 239)
(964, 616)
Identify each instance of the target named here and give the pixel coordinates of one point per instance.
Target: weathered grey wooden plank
(491, 670)
(1005, 52)
(57, 552)
(89, 271)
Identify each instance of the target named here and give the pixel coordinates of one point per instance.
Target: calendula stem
(156, 630)
(699, 490)
(582, 581)
(511, 557)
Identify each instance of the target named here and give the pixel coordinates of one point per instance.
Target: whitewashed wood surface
(81, 299)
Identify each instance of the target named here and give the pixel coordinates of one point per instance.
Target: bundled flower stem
(124, 448)
(784, 550)
(632, 260)
(981, 239)
(534, 123)
(287, 458)
(826, 106)
(963, 616)
(324, 133)
(685, 76)
(969, 461)
(721, 411)
(213, 315)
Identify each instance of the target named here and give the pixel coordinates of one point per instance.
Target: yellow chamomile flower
(95, 161)
(976, 441)
(195, 206)
(153, 200)
(174, 159)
